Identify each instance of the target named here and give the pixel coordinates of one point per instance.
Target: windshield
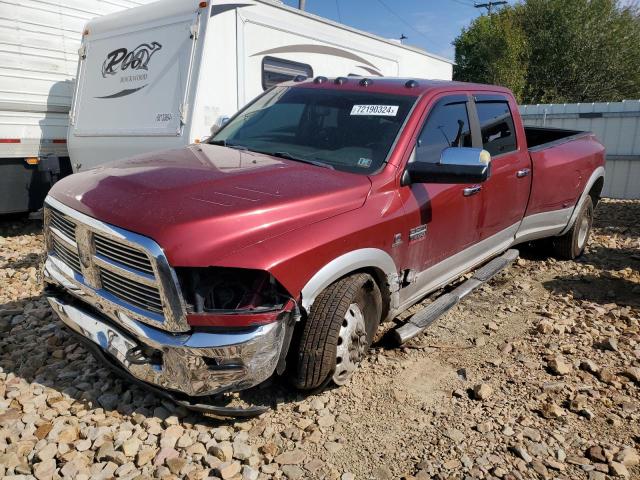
(346, 130)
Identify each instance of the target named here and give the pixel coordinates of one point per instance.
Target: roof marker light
(320, 79)
(365, 82)
(203, 4)
(411, 84)
(340, 80)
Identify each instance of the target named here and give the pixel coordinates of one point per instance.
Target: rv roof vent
(340, 80)
(299, 78)
(365, 82)
(411, 84)
(320, 79)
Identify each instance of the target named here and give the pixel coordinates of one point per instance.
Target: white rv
(39, 41)
(162, 75)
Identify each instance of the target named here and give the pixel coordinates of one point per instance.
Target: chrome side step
(420, 321)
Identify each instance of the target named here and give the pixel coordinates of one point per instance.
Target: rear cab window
(496, 125)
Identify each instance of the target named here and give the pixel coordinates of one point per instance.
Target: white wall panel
(39, 41)
(617, 126)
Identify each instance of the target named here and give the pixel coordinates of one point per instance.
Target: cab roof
(392, 85)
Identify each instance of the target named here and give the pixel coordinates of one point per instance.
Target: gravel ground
(534, 376)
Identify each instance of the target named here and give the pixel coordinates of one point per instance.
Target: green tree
(555, 50)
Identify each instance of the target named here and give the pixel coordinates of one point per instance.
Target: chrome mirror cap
(465, 156)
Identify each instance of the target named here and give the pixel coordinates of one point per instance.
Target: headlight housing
(232, 297)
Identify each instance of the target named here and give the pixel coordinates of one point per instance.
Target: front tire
(338, 332)
(572, 244)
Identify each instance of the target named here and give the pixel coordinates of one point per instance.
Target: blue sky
(433, 23)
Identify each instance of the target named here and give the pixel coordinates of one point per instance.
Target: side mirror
(456, 165)
(221, 123)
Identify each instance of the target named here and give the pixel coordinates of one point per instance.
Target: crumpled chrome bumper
(195, 364)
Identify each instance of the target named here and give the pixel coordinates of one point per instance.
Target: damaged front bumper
(195, 364)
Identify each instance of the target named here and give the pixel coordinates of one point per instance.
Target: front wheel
(572, 244)
(338, 332)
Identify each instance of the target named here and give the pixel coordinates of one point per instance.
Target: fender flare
(345, 264)
(597, 174)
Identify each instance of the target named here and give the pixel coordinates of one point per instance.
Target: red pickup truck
(320, 210)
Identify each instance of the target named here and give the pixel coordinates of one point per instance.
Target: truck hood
(203, 202)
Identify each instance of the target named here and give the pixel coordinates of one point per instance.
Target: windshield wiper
(288, 156)
(224, 143)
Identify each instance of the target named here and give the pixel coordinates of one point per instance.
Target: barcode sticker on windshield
(380, 110)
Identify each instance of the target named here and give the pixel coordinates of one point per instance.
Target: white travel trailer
(163, 75)
(39, 41)
(155, 76)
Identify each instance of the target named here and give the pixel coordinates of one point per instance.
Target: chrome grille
(62, 223)
(124, 267)
(67, 254)
(135, 293)
(122, 254)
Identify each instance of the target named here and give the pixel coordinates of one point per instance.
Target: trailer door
(135, 83)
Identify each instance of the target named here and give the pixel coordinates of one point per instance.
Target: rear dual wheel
(337, 333)
(572, 244)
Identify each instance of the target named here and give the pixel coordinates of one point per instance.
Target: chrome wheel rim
(583, 231)
(352, 344)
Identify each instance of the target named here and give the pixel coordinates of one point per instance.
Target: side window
(447, 126)
(277, 70)
(496, 127)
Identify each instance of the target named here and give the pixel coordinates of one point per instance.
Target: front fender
(345, 264)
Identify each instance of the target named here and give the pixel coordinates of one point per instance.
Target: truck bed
(539, 138)
(558, 158)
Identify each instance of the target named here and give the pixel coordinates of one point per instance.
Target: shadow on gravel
(606, 258)
(620, 216)
(603, 258)
(26, 261)
(16, 224)
(600, 289)
(37, 347)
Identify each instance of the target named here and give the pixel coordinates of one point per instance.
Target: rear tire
(338, 332)
(572, 244)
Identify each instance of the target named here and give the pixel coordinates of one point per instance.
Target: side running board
(419, 322)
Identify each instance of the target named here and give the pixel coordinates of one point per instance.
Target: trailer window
(277, 70)
(496, 126)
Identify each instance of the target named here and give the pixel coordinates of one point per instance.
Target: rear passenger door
(506, 193)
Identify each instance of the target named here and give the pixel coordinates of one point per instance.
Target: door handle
(523, 173)
(472, 190)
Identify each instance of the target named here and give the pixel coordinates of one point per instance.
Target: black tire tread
(319, 339)
(565, 246)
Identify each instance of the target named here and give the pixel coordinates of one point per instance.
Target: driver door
(442, 219)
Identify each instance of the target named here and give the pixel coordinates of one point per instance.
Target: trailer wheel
(338, 332)
(572, 244)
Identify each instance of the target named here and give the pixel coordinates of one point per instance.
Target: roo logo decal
(136, 59)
